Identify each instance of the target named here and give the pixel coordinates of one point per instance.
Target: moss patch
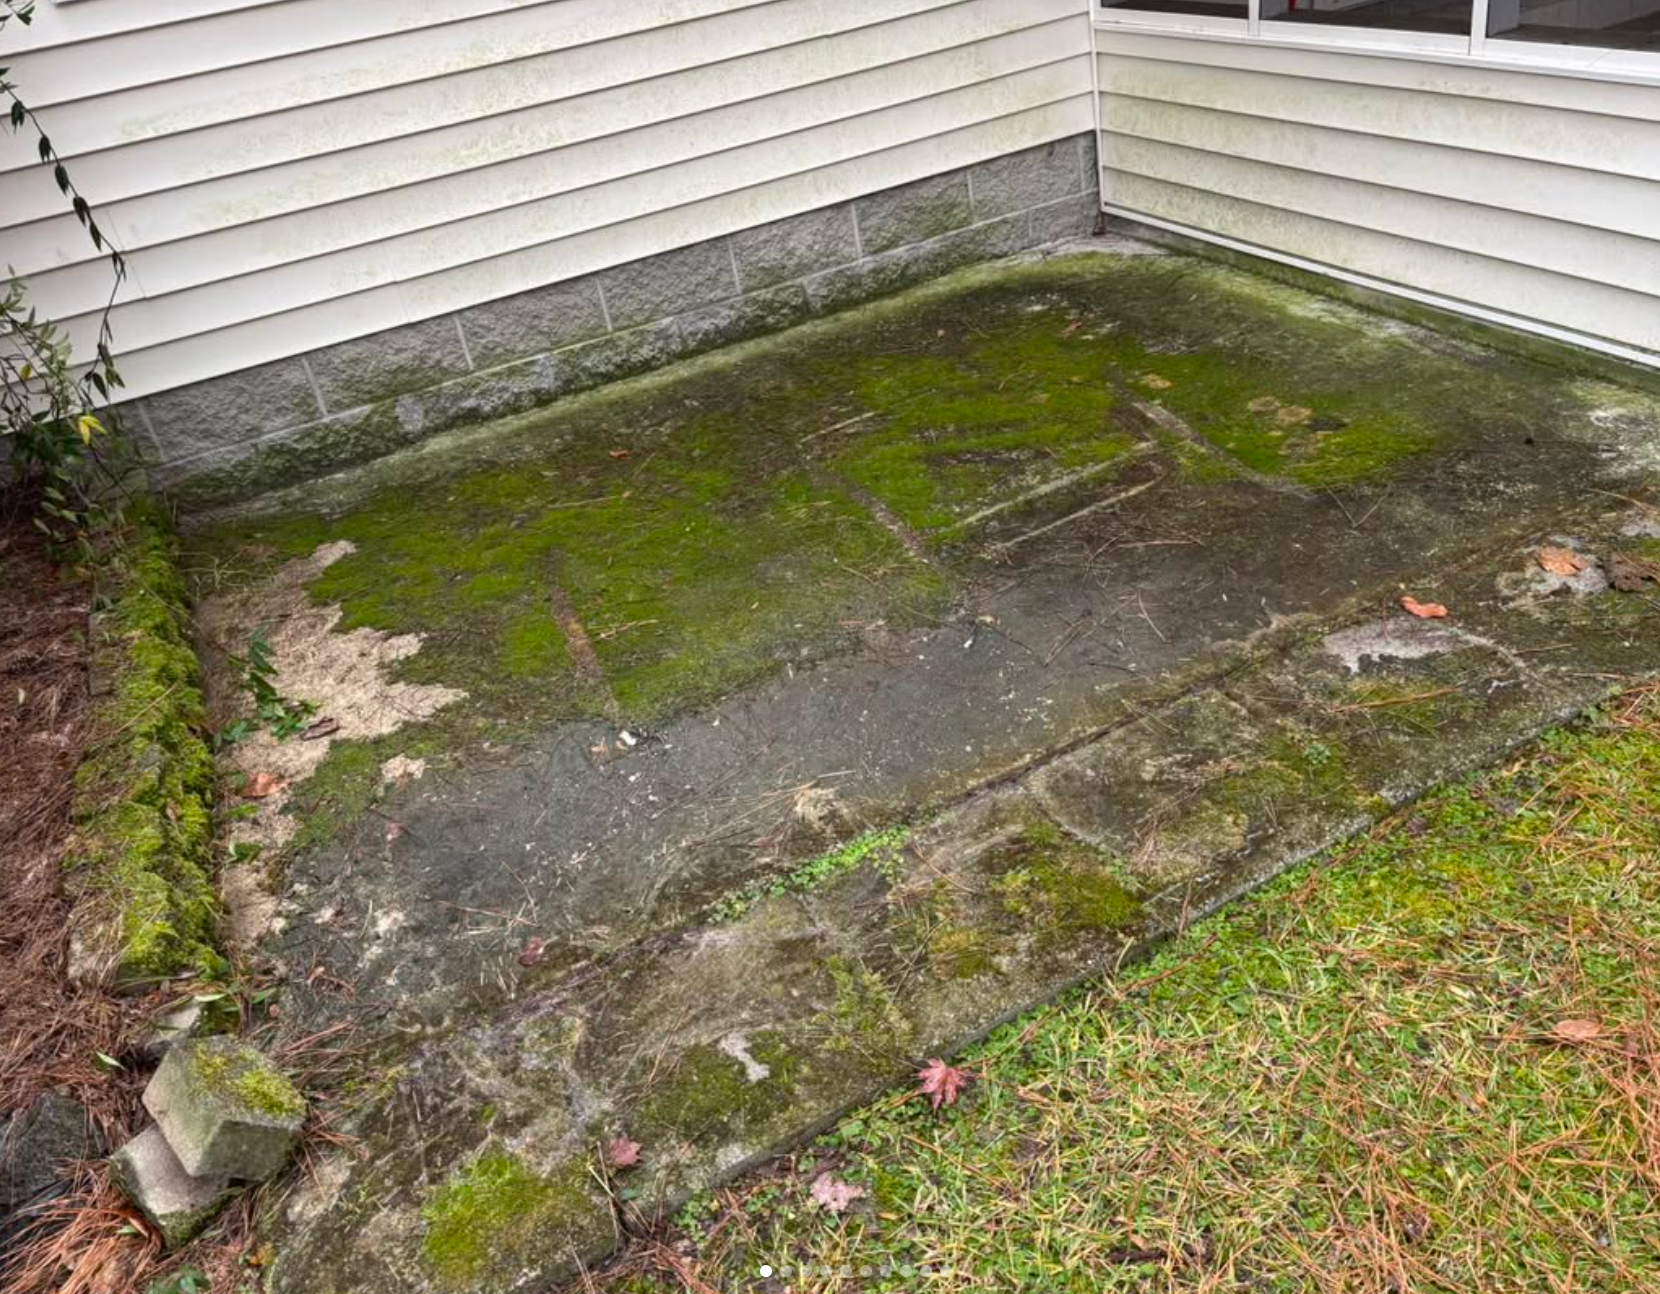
(708, 1096)
(244, 1076)
(488, 1217)
(141, 861)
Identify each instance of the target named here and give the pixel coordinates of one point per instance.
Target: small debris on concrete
(176, 1203)
(225, 1109)
(1631, 574)
(1423, 610)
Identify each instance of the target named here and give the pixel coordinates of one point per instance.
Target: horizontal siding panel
(1591, 198)
(169, 51)
(498, 232)
(1588, 140)
(155, 108)
(275, 190)
(206, 354)
(1526, 241)
(1466, 80)
(1593, 309)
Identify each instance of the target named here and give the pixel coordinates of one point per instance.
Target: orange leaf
(620, 1152)
(1423, 610)
(261, 785)
(1576, 1030)
(1561, 561)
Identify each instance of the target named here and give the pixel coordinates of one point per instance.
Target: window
(1448, 17)
(1630, 28)
(1610, 24)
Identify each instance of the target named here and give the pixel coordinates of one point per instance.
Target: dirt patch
(346, 676)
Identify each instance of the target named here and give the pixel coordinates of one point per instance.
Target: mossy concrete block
(744, 317)
(226, 411)
(225, 1109)
(669, 284)
(315, 449)
(915, 263)
(386, 364)
(494, 393)
(138, 863)
(533, 323)
(915, 212)
(1070, 218)
(177, 1203)
(617, 356)
(787, 249)
(1030, 178)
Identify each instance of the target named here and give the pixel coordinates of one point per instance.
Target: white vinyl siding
(288, 175)
(1527, 194)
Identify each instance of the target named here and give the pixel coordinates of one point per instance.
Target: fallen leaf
(535, 951)
(834, 1195)
(619, 453)
(1153, 382)
(1560, 561)
(942, 1083)
(1263, 404)
(1423, 610)
(1629, 574)
(1292, 415)
(1072, 327)
(620, 1152)
(393, 831)
(1576, 1030)
(262, 784)
(317, 728)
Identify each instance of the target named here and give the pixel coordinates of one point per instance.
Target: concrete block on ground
(533, 323)
(225, 1109)
(914, 212)
(178, 1204)
(168, 1029)
(669, 284)
(788, 249)
(227, 410)
(386, 364)
(1029, 178)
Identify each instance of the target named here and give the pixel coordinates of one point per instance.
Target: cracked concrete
(1142, 649)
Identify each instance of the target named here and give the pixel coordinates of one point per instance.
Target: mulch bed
(50, 1030)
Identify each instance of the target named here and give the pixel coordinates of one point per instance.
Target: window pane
(1613, 24)
(1450, 17)
(1202, 8)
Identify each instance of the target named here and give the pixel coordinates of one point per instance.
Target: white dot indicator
(766, 1269)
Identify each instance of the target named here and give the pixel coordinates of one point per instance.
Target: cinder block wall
(235, 436)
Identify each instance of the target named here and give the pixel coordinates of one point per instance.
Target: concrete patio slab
(714, 746)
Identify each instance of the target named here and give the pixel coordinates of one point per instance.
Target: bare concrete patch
(1394, 638)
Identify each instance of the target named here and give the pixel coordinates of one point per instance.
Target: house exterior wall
(1531, 195)
(291, 178)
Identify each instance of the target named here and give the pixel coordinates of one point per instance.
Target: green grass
(1348, 1082)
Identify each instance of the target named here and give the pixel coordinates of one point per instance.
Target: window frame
(1472, 49)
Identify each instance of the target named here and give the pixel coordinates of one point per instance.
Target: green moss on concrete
(635, 553)
(707, 1096)
(880, 849)
(866, 1019)
(488, 1216)
(141, 863)
(245, 1077)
